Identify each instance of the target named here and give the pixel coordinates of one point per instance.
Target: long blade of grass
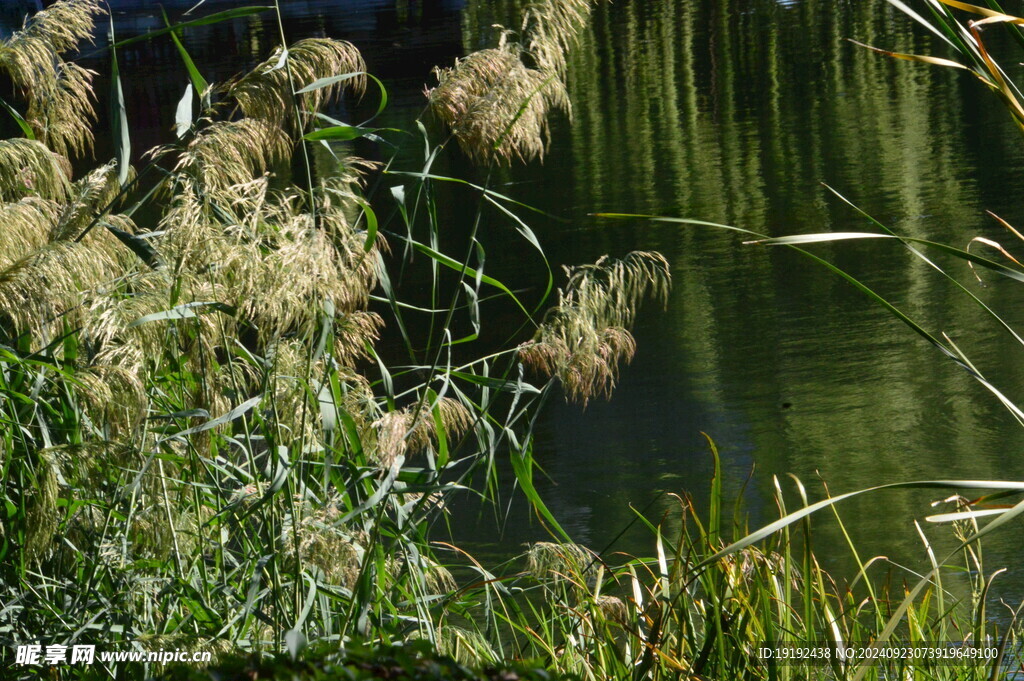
(119, 117)
(235, 413)
(902, 6)
(460, 267)
(522, 466)
(789, 519)
(198, 82)
(218, 17)
(924, 59)
(803, 239)
(26, 129)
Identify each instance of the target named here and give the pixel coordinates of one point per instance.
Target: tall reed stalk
(203, 445)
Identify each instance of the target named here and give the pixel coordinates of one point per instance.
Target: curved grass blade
(321, 83)
(460, 267)
(119, 118)
(216, 18)
(186, 311)
(220, 420)
(924, 59)
(26, 129)
(801, 239)
(198, 82)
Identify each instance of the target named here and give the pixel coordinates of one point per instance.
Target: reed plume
(26, 226)
(498, 108)
(229, 153)
(29, 168)
(322, 544)
(551, 29)
(413, 429)
(46, 288)
(560, 562)
(497, 101)
(266, 91)
(88, 197)
(59, 93)
(584, 338)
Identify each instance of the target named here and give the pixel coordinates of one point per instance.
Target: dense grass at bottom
(416, 661)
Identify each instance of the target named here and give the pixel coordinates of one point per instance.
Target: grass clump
(202, 446)
(415, 661)
(715, 595)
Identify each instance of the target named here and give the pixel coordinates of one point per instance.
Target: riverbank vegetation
(206, 445)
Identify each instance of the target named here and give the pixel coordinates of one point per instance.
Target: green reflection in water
(737, 112)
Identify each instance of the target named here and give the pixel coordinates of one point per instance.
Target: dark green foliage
(415, 661)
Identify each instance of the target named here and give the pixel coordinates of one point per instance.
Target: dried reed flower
(266, 91)
(63, 120)
(583, 339)
(551, 29)
(59, 93)
(87, 197)
(152, 534)
(496, 107)
(612, 609)
(59, 281)
(495, 104)
(47, 286)
(407, 430)
(352, 333)
(234, 153)
(392, 441)
(465, 646)
(115, 397)
(25, 226)
(561, 562)
(28, 168)
(338, 554)
(61, 26)
(42, 515)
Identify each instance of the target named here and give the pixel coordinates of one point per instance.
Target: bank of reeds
(203, 449)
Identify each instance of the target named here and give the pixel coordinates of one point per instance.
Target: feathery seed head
(87, 197)
(407, 431)
(551, 29)
(266, 91)
(28, 168)
(62, 25)
(548, 560)
(48, 286)
(25, 225)
(59, 93)
(495, 104)
(63, 117)
(321, 542)
(583, 339)
(496, 107)
(234, 153)
(42, 514)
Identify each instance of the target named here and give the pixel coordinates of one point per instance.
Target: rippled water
(737, 112)
(734, 111)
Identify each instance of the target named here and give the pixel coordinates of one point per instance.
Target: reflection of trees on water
(736, 112)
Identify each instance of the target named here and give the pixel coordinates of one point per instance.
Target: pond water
(732, 111)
